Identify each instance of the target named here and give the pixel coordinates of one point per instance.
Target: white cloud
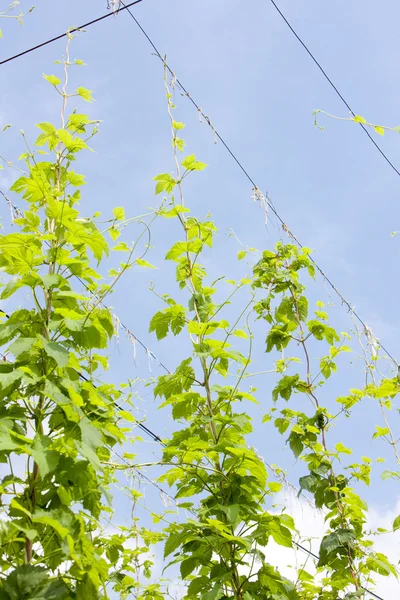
(311, 526)
(310, 523)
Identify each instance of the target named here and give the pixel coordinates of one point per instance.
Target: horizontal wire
(62, 35)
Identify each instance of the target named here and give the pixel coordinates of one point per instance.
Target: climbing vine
(63, 430)
(221, 550)
(10, 13)
(59, 421)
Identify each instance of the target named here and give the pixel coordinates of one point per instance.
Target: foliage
(222, 547)
(10, 14)
(379, 129)
(61, 427)
(59, 422)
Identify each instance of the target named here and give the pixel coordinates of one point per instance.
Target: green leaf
(180, 248)
(166, 182)
(173, 542)
(232, 511)
(171, 319)
(17, 506)
(278, 337)
(76, 179)
(121, 247)
(6, 441)
(114, 234)
(281, 424)
(214, 594)
(359, 119)
(92, 439)
(10, 288)
(191, 164)
(396, 523)
(296, 445)
(197, 585)
(387, 389)
(47, 460)
(379, 130)
(87, 590)
(379, 563)
(240, 334)
(280, 534)
(208, 328)
(8, 378)
(188, 566)
(302, 307)
(241, 254)
(124, 414)
(8, 332)
(85, 94)
(174, 212)
(176, 383)
(119, 213)
(309, 482)
(338, 542)
(56, 351)
(380, 431)
(64, 495)
(322, 331)
(284, 387)
(91, 435)
(50, 281)
(52, 79)
(29, 582)
(342, 448)
(177, 125)
(144, 263)
(52, 519)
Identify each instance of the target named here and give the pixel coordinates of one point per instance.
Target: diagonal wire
(217, 135)
(334, 87)
(141, 425)
(300, 547)
(245, 172)
(148, 431)
(156, 438)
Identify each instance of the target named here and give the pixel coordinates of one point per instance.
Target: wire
(128, 6)
(218, 136)
(185, 91)
(62, 35)
(154, 436)
(334, 87)
(157, 439)
(251, 180)
(300, 547)
(148, 431)
(143, 427)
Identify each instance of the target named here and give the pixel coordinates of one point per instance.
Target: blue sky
(259, 87)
